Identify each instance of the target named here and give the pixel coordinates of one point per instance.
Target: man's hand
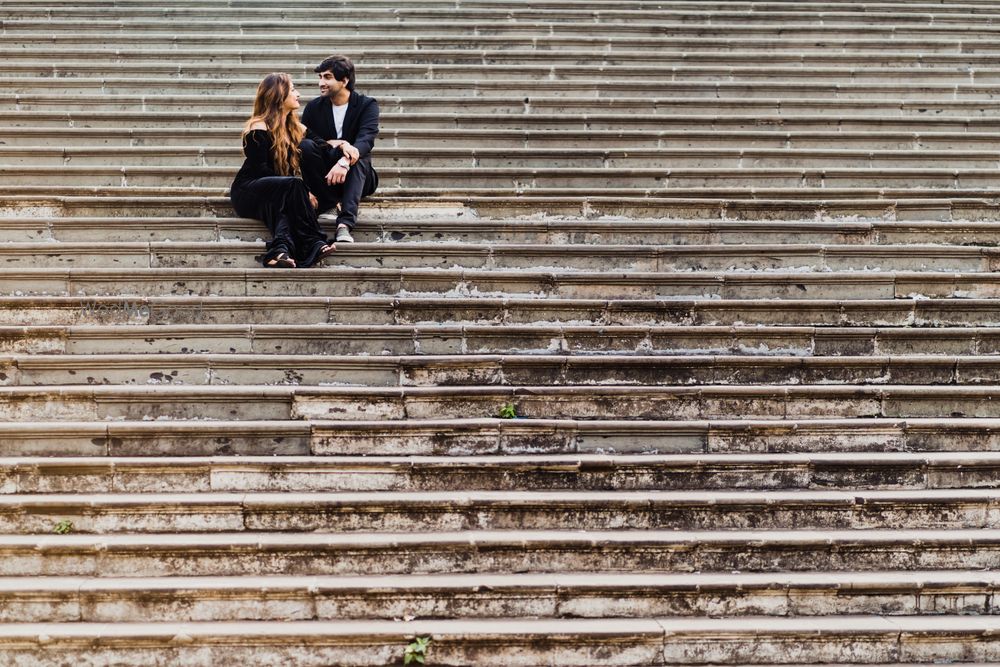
(337, 175)
(350, 152)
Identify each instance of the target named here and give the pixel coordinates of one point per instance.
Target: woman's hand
(313, 200)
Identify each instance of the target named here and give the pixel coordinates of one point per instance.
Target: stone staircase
(732, 264)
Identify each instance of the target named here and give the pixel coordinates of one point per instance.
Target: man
(342, 124)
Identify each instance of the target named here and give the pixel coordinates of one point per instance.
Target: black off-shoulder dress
(282, 202)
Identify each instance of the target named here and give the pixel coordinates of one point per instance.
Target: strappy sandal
(326, 251)
(280, 261)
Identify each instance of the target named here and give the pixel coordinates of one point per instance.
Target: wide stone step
(517, 108)
(81, 143)
(344, 511)
(236, 93)
(508, 472)
(724, 204)
(281, 402)
(569, 595)
(908, 312)
(480, 552)
(491, 436)
(447, 283)
(723, 120)
(307, 368)
(781, 33)
(663, 641)
(564, 257)
(408, 339)
(247, 61)
(428, 182)
(384, 227)
(210, 78)
(778, 37)
(589, 402)
(246, 18)
(677, 161)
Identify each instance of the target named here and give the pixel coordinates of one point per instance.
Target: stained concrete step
(481, 552)
(188, 61)
(971, 6)
(217, 143)
(540, 230)
(414, 181)
(886, 104)
(491, 436)
(179, 124)
(854, 509)
(906, 312)
(631, 36)
(238, 93)
(676, 160)
(454, 227)
(636, 403)
(350, 282)
(569, 595)
(250, 18)
(665, 641)
(724, 204)
(550, 472)
(211, 78)
(438, 339)
(355, 369)
(580, 402)
(501, 256)
(644, 28)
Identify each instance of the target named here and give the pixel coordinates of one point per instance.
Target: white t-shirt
(338, 118)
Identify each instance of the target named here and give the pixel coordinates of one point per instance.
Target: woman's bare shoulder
(259, 125)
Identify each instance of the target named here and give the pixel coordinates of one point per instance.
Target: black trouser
(361, 181)
(282, 202)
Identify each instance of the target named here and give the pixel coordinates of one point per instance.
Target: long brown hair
(283, 125)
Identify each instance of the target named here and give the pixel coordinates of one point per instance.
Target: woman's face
(292, 101)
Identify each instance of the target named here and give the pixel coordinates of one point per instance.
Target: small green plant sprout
(508, 412)
(64, 527)
(416, 651)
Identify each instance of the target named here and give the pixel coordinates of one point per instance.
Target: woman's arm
(257, 148)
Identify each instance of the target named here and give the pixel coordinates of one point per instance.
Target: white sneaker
(344, 235)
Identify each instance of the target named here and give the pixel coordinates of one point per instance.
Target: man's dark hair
(341, 67)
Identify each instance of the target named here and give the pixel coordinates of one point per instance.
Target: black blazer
(360, 122)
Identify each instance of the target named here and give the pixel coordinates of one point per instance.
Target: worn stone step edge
(513, 642)
(906, 313)
(389, 226)
(68, 158)
(495, 437)
(587, 595)
(220, 139)
(237, 93)
(477, 370)
(776, 107)
(448, 283)
(508, 472)
(402, 339)
(139, 18)
(406, 511)
(670, 551)
(605, 122)
(516, 255)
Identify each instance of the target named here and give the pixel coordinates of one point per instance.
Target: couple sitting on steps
(296, 170)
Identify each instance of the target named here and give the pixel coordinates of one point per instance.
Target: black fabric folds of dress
(281, 202)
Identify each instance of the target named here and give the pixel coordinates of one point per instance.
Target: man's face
(330, 86)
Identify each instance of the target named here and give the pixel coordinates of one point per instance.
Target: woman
(267, 186)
